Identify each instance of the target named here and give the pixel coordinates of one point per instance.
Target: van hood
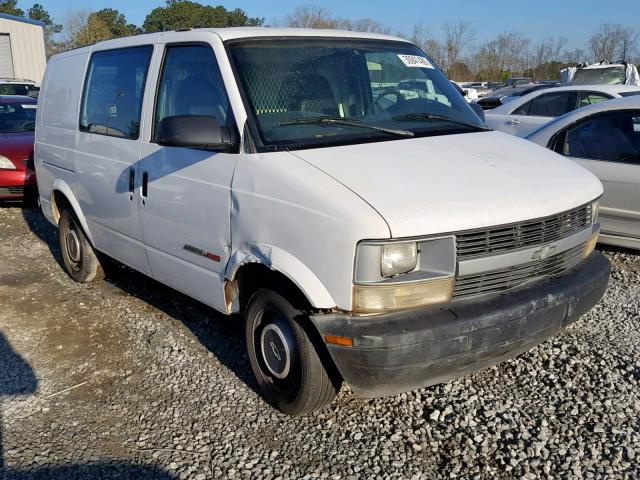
(451, 183)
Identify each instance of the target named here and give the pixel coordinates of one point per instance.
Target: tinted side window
(191, 84)
(612, 136)
(553, 104)
(523, 109)
(113, 92)
(589, 98)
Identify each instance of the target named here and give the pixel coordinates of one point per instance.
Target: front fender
(64, 188)
(283, 262)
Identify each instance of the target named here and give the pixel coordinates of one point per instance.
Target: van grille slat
(482, 243)
(506, 278)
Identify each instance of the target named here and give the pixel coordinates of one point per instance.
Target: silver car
(605, 138)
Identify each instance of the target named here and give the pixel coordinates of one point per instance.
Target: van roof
(233, 33)
(256, 32)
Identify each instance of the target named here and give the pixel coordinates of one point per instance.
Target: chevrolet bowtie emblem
(544, 252)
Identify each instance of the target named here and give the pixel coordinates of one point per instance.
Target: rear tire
(290, 373)
(80, 259)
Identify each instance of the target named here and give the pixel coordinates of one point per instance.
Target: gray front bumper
(406, 350)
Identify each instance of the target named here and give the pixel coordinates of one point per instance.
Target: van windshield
(307, 93)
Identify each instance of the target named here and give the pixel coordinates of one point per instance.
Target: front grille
(506, 278)
(482, 243)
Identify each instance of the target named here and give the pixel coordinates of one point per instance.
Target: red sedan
(17, 126)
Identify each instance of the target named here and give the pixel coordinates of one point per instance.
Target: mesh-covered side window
(191, 84)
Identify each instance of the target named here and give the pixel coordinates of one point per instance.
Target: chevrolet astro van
(332, 187)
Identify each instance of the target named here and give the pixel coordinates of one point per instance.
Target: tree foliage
(103, 25)
(613, 42)
(317, 17)
(451, 45)
(50, 27)
(180, 14)
(10, 7)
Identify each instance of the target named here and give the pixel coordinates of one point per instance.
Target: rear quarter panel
(56, 124)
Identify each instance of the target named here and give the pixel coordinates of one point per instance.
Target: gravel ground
(160, 387)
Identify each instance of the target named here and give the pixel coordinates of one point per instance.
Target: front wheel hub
(73, 246)
(277, 344)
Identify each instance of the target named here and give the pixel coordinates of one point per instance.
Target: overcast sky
(574, 19)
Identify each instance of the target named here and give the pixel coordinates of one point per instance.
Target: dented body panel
(299, 221)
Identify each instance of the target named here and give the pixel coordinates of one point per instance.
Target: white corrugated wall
(27, 48)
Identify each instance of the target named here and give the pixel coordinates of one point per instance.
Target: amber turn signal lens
(590, 246)
(338, 340)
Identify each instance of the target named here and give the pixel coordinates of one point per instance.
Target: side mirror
(477, 108)
(194, 131)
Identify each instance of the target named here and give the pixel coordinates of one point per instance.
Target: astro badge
(415, 61)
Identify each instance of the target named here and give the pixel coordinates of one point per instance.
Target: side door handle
(513, 122)
(145, 185)
(132, 183)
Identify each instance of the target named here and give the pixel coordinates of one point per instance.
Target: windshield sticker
(415, 61)
(29, 106)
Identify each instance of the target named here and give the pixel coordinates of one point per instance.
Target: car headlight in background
(398, 258)
(6, 164)
(403, 274)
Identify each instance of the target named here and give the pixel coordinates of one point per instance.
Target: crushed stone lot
(130, 379)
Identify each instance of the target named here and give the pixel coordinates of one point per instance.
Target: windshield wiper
(328, 120)
(432, 116)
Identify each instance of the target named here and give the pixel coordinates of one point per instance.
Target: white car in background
(482, 88)
(605, 139)
(471, 94)
(19, 86)
(523, 115)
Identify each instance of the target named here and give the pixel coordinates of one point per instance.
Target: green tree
(178, 14)
(102, 25)
(10, 7)
(115, 22)
(50, 27)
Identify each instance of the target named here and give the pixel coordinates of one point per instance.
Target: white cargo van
(368, 233)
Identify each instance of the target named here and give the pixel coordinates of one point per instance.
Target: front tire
(80, 259)
(289, 371)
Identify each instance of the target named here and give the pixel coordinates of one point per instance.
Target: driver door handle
(513, 122)
(145, 185)
(132, 183)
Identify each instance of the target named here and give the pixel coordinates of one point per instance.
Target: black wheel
(80, 260)
(285, 362)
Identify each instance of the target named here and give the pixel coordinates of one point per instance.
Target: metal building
(22, 53)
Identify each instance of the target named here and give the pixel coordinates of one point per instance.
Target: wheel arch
(272, 267)
(62, 196)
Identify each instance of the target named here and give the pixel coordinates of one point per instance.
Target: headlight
(398, 258)
(388, 297)
(393, 275)
(595, 211)
(6, 164)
